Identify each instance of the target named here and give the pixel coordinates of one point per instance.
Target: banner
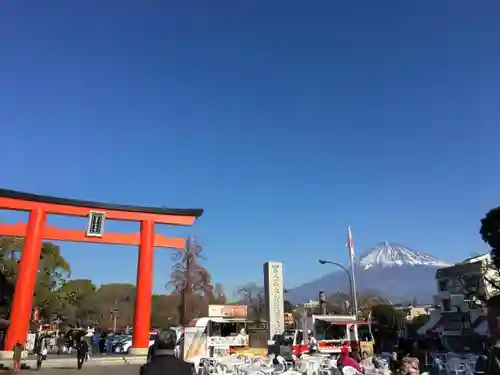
(227, 311)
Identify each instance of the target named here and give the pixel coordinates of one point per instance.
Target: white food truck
(218, 335)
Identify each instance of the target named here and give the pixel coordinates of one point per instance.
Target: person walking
(41, 351)
(179, 353)
(70, 341)
(102, 343)
(18, 353)
(163, 360)
(109, 344)
(313, 343)
(88, 340)
(81, 351)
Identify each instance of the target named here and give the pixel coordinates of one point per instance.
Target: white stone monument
(273, 289)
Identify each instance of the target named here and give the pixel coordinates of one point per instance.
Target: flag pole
(355, 293)
(350, 246)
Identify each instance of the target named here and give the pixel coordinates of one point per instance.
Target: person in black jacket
(163, 361)
(81, 351)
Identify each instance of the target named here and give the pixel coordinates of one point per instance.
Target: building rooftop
(476, 258)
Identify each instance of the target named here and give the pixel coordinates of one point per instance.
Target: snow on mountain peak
(387, 254)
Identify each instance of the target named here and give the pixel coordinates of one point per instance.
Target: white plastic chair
(442, 357)
(440, 365)
(267, 366)
(455, 366)
(300, 366)
(429, 360)
(313, 365)
(256, 372)
(223, 371)
(208, 366)
(348, 370)
(325, 366)
(282, 365)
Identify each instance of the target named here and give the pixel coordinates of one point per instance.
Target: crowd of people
(64, 343)
(73, 339)
(162, 358)
(83, 341)
(401, 361)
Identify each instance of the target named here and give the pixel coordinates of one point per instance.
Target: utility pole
(261, 306)
(322, 302)
(115, 311)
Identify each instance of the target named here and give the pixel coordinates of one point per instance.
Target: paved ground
(73, 355)
(94, 370)
(65, 362)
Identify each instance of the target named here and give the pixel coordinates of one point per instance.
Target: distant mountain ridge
(391, 269)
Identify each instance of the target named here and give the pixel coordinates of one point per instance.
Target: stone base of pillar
(9, 354)
(6, 354)
(139, 351)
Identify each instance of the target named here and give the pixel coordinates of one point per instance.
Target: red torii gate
(35, 231)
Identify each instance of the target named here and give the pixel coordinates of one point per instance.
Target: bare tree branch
(188, 277)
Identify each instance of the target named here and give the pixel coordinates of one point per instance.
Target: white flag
(350, 244)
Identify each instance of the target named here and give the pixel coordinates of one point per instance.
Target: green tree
(387, 315)
(490, 233)
(52, 272)
(416, 323)
(78, 303)
(10, 251)
(115, 298)
(339, 303)
(288, 306)
(77, 290)
(165, 311)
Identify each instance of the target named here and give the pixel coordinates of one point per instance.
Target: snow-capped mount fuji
(388, 269)
(389, 254)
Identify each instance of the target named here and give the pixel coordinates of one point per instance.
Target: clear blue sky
(285, 120)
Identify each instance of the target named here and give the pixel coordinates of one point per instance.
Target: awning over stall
(230, 320)
(454, 322)
(337, 320)
(435, 317)
(447, 322)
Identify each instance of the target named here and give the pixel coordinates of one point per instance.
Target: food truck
(217, 335)
(332, 333)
